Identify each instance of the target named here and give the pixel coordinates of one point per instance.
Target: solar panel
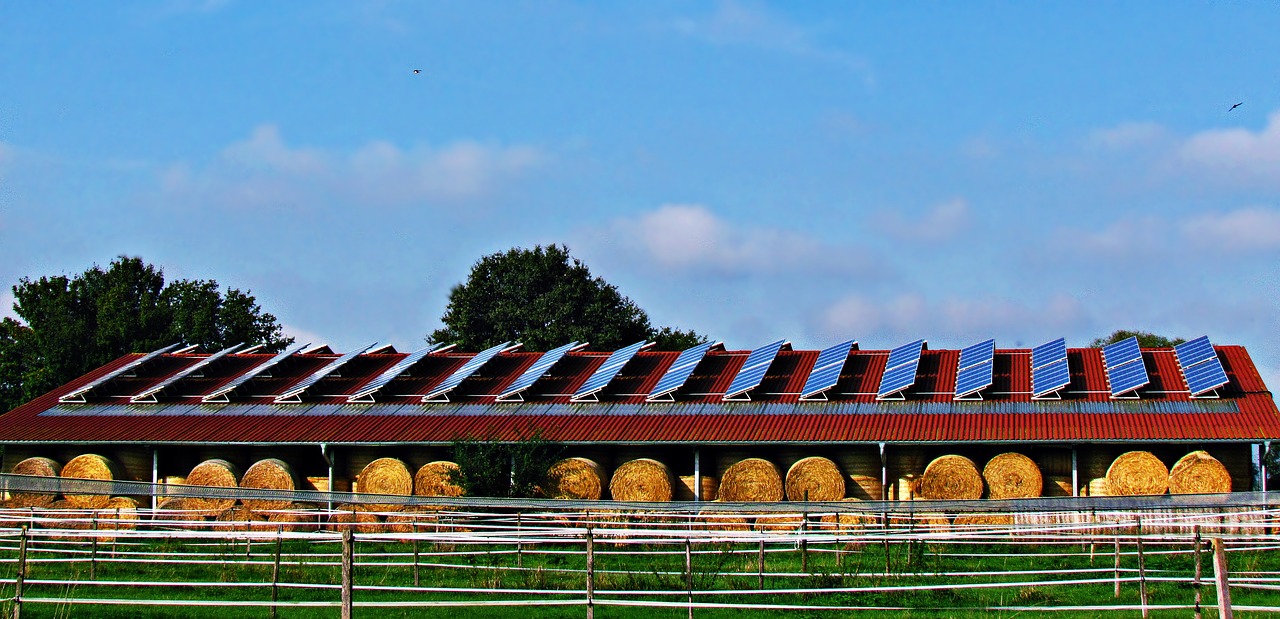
(753, 371)
(974, 370)
(78, 395)
(1050, 378)
(606, 372)
(536, 371)
(1122, 352)
(679, 372)
(150, 394)
(294, 393)
(365, 393)
(1048, 352)
(438, 393)
(1125, 370)
(981, 352)
(826, 371)
(1200, 366)
(900, 370)
(221, 393)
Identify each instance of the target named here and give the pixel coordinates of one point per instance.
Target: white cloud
(264, 171)
(956, 317)
(6, 304)
(1246, 229)
(1129, 135)
(1237, 155)
(303, 336)
(1251, 229)
(738, 23)
(944, 221)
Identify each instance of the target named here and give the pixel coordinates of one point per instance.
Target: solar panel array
(753, 371)
(1200, 366)
(365, 393)
(679, 373)
(605, 373)
(900, 370)
(974, 372)
(473, 365)
(1125, 370)
(1049, 370)
(535, 372)
(296, 391)
(149, 395)
(79, 393)
(220, 394)
(826, 371)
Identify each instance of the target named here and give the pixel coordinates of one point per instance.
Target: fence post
(760, 562)
(519, 545)
(1142, 569)
(1116, 537)
(348, 571)
(591, 573)
(1199, 543)
(804, 539)
(22, 574)
(688, 571)
(93, 554)
(275, 570)
(415, 561)
(1220, 579)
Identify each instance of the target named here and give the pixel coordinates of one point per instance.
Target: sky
(753, 171)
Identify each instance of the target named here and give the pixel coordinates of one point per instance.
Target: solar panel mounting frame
(439, 394)
(914, 351)
(680, 370)
(364, 395)
(1200, 356)
(77, 396)
(293, 395)
(222, 394)
(1115, 368)
(514, 392)
(148, 396)
(618, 359)
(1057, 351)
(758, 362)
(967, 365)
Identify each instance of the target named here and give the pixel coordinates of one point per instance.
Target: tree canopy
(1145, 340)
(543, 298)
(75, 324)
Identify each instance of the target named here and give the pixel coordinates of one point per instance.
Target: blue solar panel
(292, 394)
(754, 370)
(900, 370)
(679, 372)
(1127, 377)
(78, 394)
(365, 393)
(977, 354)
(1195, 352)
(1048, 352)
(1050, 378)
(149, 394)
(536, 371)
(1122, 352)
(973, 379)
(826, 371)
(1200, 366)
(472, 366)
(606, 372)
(220, 394)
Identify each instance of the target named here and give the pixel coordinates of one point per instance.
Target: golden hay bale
(722, 521)
(950, 477)
(1137, 473)
(1096, 487)
(684, 489)
(814, 479)
(1199, 473)
(575, 478)
(269, 474)
(847, 521)
(436, 479)
(90, 466)
(983, 520)
(176, 510)
(922, 522)
(213, 474)
(294, 518)
(350, 517)
(121, 513)
(642, 479)
(240, 514)
(904, 489)
(865, 487)
(169, 480)
(384, 476)
(1057, 485)
(752, 479)
(411, 520)
(36, 467)
(780, 523)
(62, 515)
(1012, 476)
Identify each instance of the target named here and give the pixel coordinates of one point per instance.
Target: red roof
(1086, 412)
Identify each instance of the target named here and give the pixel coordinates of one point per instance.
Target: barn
(881, 415)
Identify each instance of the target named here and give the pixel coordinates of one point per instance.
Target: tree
(1145, 340)
(75, 324)
(493, 468)
(543, 298)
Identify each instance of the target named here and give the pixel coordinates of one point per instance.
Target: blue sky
(751, 170)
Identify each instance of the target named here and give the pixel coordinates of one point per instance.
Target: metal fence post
(275, 571)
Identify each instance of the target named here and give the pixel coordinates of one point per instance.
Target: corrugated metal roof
(1165, 411)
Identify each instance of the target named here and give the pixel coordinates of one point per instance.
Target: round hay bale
(575, 478)
(294, 519)
(269, 474)
(36, 467)
(904, 489)
(384, 476)
(721, 521)
(752, 479)
(61, 515)
(779, 523)
(436, 479)
(865, 487)
(1137, 473)
(121, 513)
(642, 479)
(213, 474)
(411, 520)
(841, 522)
(166, 481)
(1096, 487)
(93, 467)
(684, 490)
(1199, 473)
(814, 479)
(983, 520)
(952, 478)
(1012, 476)
(1057, 485)
(176, 510)
(238, 516)
(349, 516)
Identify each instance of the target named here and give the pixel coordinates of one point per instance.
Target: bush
(494, 468)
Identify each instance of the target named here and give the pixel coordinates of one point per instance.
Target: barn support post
(884, 475)
(155, 475)
(1266, 449)
(326, 453)
(1075, 471)
(697, 474)
(1259, 467)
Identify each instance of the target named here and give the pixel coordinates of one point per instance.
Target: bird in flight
(1232, 107)
(417, 71)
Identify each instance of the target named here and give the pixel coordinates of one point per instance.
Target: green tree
(543, 297)
(75, 324)
(1145, 340)
(494, 468)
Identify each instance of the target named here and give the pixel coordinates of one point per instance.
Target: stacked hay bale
(239, 515)
(752, 479)
(36, 467)
(1094, 462)
(269, 474)
(92, 467)
(950, 477)
(575, 478)
(61, 514)
(1096, 487)
(844, 522)
(643, 479)
(862, 465)
(684, 489)
(1012, 476)
(1137, 473)
(1199, 473)
(437, 479)
(388, 476)
(814, 479)
(212, 474)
